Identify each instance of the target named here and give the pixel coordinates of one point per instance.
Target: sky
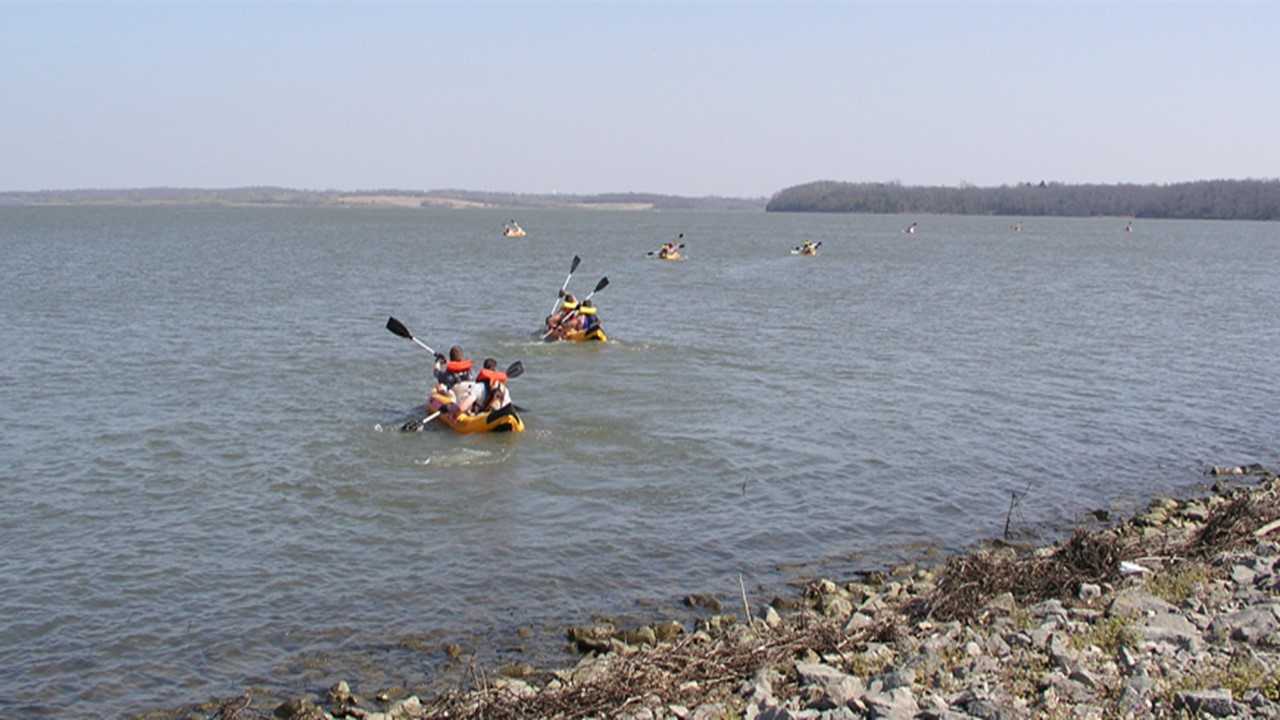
(691, 97)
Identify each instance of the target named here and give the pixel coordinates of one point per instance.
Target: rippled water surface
(204, 490)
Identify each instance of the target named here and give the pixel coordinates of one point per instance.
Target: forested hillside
(1208, 199)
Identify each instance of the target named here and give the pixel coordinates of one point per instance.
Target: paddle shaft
(572, 267)
(403, 331)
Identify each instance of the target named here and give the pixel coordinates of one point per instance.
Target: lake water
(203, 489)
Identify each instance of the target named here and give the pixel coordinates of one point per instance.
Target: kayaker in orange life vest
(454, 378)
(453, 370)
(494, 393)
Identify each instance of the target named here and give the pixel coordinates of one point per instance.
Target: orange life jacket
(458, 366)
(493, 377)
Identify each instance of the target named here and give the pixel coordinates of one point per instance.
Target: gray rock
(1243, 575)
(1040, 636)
(410, 707)
(770, 616)
(899, 703)
(997, 647)
(1213, 702)
(1137, 603)
(782, 713)
(1088, 592)
(1170, 628)
(1250, 625)
(299, 709)
(837, 607)
(1048, 608)
(1137, 693)
(642, 713)
(707, 711)
(987, 708)
(838, 687)
(1066, 688)
(760, 690)
(857, 621)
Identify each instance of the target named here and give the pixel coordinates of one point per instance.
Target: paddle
(572, 266)
(604, 283)
(399, 328)
(417, 425)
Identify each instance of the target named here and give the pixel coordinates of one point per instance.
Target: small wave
(464, 457)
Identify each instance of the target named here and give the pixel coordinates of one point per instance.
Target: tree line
(1202, 200)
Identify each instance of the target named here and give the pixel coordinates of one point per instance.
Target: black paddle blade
(515, 370)
(398, 328)
(604, 282)
(574, 265)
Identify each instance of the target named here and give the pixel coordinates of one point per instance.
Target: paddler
(586, 319)
(454, 378)
(494, 394)
(557, 319)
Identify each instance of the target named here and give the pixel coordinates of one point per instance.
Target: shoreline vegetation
(1173, 613)
(1200, 200)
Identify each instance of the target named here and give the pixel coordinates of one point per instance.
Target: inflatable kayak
(594, 334)
(669, 256)
(505, 420)
(513, 232)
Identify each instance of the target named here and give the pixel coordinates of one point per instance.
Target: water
(204, 490)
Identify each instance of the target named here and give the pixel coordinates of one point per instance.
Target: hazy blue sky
(687, 98)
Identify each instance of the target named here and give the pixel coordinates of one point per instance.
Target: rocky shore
(1174, 613)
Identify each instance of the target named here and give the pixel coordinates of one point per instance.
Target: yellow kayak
(669, 256)
(594, 334)
(505, 420)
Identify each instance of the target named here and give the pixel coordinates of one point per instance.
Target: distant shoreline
(1201, 200)
(454, 199)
